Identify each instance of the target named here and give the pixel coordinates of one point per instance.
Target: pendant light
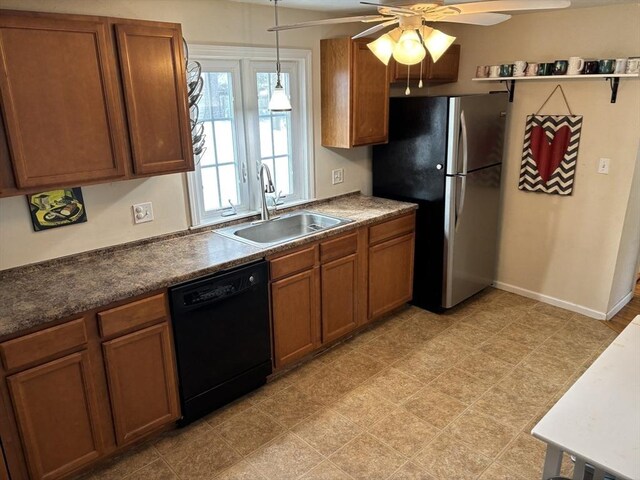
(279, 100)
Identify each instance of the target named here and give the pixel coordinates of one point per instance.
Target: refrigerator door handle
(465, 144)
(460, 203)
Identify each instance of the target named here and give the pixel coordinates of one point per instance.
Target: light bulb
(382, 48)
(436, 42)
(409, 49)
(279, 101)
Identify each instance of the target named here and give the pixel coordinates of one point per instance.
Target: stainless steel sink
(282, 229)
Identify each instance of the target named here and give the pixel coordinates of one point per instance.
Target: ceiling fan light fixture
(279, 101)
(436, 42)
(382, 48)
(409, 49)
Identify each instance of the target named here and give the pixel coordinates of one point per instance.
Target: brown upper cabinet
(445, 70)
(154, 85)
(80, 107)
(355, 94)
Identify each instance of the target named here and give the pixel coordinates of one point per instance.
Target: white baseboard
(589, 312)
(620, 305)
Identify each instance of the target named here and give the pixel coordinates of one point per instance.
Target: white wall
(564, 250)
(109, 206)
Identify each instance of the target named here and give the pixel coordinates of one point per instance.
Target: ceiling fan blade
(509, 5)
(484, 19)
(391, 8)
(331, 21)
(377, 28)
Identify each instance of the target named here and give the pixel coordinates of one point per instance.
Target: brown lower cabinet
(55, 409)
(338, 271)
(295, 316)
(87, 388)
(390, 274)
(339, 297)
(142, 382)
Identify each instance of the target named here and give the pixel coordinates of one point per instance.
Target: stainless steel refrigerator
(445, 154)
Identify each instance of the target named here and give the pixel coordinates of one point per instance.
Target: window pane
(208, 157)
(264, 92)
(225, 151)
(283, 176)
(210, 188)
(281, 134)
(266, 149)
(228, 185)
(216, 96)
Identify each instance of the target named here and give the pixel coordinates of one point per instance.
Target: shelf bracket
(613, 83)
(511, 88)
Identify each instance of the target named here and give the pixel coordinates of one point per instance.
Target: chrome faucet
(268, 188)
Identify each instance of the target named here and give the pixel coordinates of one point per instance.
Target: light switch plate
(603, 166)
(337, 176)
(142, 212)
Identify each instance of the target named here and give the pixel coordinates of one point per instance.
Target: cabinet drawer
(132, 315)
(338, 247)
(43, 345)
(293, 262)
(392, 228)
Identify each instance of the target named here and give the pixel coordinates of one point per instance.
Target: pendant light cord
(278, 84)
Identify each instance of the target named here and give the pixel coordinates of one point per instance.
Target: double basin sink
(282, 229)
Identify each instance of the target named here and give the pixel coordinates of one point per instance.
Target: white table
(598, 419)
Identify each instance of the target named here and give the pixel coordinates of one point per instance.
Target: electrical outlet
(603, 166)
(337, 176)
(142, 212)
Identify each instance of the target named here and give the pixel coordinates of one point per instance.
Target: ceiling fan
(409, 42)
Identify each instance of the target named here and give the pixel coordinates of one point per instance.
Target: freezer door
(476, 132)
(470, 228)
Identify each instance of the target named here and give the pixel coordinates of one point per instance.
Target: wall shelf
(614, 80)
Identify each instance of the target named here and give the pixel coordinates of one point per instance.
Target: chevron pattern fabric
(559, 180)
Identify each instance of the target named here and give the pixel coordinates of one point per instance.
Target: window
(241, 132)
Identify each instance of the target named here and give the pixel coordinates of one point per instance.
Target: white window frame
(249, 61)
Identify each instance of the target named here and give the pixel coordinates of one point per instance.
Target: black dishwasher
(222, 337)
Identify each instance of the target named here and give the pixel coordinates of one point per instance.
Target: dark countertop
(46, 292)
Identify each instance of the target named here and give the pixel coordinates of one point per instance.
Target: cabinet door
(339, 297)
(370, 97)
(56, 414)
(142, 382)
(156, 98)
(398, 71)
(4, 474)
(390, 274)
(446, 68)
(296, 316)
(62, 114)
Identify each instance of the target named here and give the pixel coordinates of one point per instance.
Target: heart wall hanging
(550, 152)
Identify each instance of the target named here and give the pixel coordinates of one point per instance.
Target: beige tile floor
(417, 396)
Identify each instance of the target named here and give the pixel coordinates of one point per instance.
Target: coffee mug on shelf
(532, 70)
(482, 71)
(519, 68)
(560, 67)
(506, 70)
(545, 69)
(494, 71)
(590, 67)
(606, 66)
(621, 65)
(633, 65)
(576, 65)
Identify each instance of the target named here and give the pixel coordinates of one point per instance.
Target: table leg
(552, 462)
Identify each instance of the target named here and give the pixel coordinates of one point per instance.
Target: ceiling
(349, 6)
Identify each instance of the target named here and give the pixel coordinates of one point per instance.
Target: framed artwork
(57, 208)
(550, 153)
